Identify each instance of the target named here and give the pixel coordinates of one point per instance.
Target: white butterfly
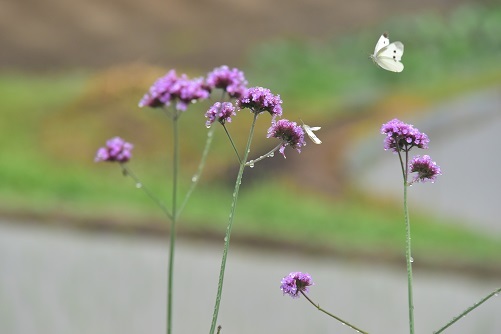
(309, 131)
(388, 55)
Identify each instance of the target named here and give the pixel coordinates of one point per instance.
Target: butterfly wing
(381, 43)
(309, 131)
(389, 57)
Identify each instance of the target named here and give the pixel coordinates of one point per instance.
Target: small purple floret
(289, 132)
(232, 81)
(426, 169)
(116, 149)
(295, 283)
(220, 112)
(259, 99)
(402, 137)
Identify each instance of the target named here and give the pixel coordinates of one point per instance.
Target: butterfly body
(388, 55)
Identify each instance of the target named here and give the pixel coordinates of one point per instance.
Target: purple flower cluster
(402, 137)
(116, 149)
(426, 169)
(259, 99)
(232, 81)
(170, 88)
(220, 112)
(289, 132)
(296, 282)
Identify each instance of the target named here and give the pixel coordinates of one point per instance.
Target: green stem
(468, 310)
(128, 172)
(230, 224)
(332, 315)
(175, 165)
(408, 255)
(264, 156)
(232, 144)
(201, 165)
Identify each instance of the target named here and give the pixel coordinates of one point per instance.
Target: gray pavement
(63, 281)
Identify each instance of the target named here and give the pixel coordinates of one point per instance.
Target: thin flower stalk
(230, 224)
(170, 274)
(468, 310)
(408, 254)
(128, 172)
(232, 143)
(298, 283)
(196, 177)
(270, 154)
(317, 306)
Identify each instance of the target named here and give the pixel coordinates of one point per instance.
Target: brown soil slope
(61, 34)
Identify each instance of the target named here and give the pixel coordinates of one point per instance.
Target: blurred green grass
(444, 55)
(52, 125)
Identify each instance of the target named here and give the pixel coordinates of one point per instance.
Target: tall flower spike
(402, 137)
(232, 81)
(220, 112)
(426, 169)
(259, 99)
(296, 282)
(116, 149)
(289, 132)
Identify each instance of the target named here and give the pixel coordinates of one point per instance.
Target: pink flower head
(426, 169)
(171, 88)
(220, 112)
(289, 132)
(295, 283)
(402, 137)
(259, 99)
(160, 92)
(232, 81)
(187, 91)
(116, 149)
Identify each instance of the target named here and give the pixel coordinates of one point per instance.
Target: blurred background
(82, 250)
